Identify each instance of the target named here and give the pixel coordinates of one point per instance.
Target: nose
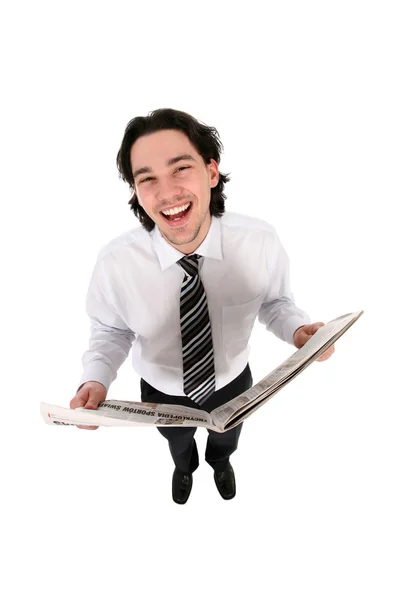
(168, 189)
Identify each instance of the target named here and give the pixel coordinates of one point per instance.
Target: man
(186, 287)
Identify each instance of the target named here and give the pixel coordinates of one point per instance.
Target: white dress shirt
(133, 301)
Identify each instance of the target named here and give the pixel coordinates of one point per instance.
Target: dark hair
(205, 139)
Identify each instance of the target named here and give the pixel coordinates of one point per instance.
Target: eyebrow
(170, 162)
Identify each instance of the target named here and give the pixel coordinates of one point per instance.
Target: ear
(213, 173)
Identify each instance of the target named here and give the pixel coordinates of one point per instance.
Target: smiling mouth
(178, 218)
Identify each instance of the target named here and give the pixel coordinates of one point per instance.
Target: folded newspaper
(229, 415)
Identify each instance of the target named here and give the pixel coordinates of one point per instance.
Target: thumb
(95, 397)
(93, 403)
(77, 402)
(311, 329)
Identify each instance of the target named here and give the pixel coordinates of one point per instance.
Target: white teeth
(175, 211)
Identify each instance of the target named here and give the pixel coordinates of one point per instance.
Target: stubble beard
(181, 241)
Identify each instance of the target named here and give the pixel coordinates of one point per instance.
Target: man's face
(164, 183)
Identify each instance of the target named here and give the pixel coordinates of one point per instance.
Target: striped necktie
(197, 346)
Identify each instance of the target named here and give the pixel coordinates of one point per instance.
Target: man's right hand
(89, 396)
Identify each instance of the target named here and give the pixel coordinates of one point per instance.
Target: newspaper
(229, 415)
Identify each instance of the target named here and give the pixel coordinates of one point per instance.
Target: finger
(87, 426)
(326, 354)
(92, 404)
(316, 326)
(77, 402)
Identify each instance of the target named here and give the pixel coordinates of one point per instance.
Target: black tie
(197, 346)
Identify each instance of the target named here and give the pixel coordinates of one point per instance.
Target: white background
(305, 96)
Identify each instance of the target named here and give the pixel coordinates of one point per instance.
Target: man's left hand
(303, 334)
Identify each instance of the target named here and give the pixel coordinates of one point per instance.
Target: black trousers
(181, 440)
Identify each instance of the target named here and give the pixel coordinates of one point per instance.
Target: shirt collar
(211, 247)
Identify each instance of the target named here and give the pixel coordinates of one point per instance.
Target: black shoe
(181, 486)
(225, 482)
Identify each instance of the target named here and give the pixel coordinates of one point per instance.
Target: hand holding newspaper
(229, 415)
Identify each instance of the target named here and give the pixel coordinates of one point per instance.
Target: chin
(180, 238)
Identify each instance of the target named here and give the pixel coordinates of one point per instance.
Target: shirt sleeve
(278, 312)
(110, 338)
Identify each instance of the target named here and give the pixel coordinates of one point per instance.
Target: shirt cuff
(290, 327)
(98, 373)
